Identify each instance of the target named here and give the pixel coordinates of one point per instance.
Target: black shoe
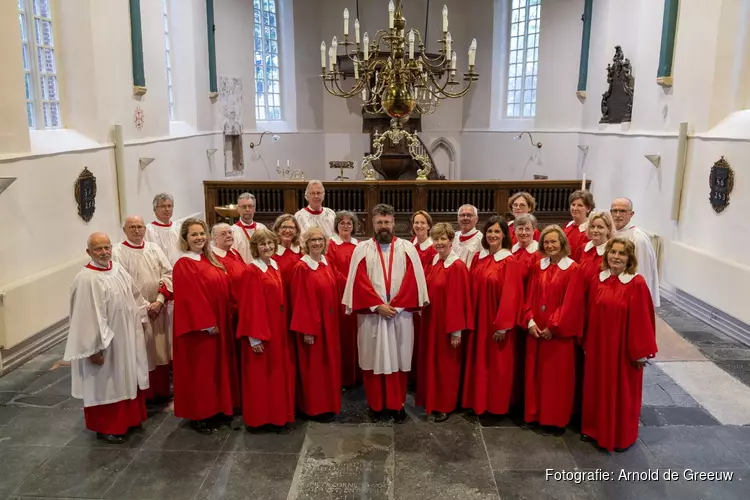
(324, 418)
(530, 425)
(375, 416)
(440, 417)
(281, 429)
(621, 450)
(203, 427)
(400, 416)
(551, 430)
(586, 438)
(110, 438)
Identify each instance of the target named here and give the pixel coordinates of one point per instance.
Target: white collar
(582, 227)
(262, 265)
(424, 245)
(626, 229)
(564, 263)
(501, 254)
(624, 278)
(470, 233)
(282, 249)
(311, 263)
(599, 250)
(103, 268)
(337, 239)
(448, 260)
(533, 247)
(191, 255)
(511, 222)
(247, 226)
(218, 251)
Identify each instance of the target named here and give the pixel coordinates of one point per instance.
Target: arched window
(267, 85)
(168, 45)
(523, 58)
(38, 46)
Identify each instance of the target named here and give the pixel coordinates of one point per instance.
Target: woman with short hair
(521, 203)
(581, 202)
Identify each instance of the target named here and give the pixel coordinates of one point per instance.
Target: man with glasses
(315, 214)
(622, 211)
(163, 231)
(469, 240)
(245, 226)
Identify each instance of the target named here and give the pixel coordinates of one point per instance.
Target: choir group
(273, 323)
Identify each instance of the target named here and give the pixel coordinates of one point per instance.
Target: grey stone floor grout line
(567, 448)
(293, 484)
(31, 472)
(210, 469)
(747, 464)
(118, 475)
(489, 461)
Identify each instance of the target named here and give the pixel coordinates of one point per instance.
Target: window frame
(259, 8)
(34, 71)
(523, 104)
(168, 56)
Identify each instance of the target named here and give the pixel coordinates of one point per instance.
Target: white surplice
(167, 237)
(242, 234)
(385, 345)
(150, 269)
(644, 252)
(107, 314)
(307, 218)
(469, 247)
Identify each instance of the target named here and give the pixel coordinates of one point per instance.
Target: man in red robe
(386, 284)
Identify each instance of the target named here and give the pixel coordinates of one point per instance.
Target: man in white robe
(469, 240)
(385, 286)
(622, 211)
(150, 269)
(245, 227)
(315, 214)
(106, 344)
(162, 231)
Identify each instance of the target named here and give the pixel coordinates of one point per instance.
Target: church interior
(105, 104)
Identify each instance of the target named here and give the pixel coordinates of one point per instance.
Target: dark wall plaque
(617, 101)
(721, 182)
(85, 193)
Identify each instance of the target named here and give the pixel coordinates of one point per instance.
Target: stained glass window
(168, 50)
(38, 49)
(523, 58)
(267, 83)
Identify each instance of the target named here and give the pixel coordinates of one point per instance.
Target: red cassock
(554, 300)
(621, 329)
(286, 259)
(514, 240)
(204, 365)
(497, 296)
(439, 368)
(426, 253)
(235, 266)
(339, 256)
(267, 377)
(577, 238)
(527, 259)
(315, 312)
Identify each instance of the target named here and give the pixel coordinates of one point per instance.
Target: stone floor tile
(42, 427)
(734, 488)
(43, 401)
(8, 414)
(588, 456)
(659, 416)
(135, 440)
(737, 439)
(695, 447)
(249, 476)
(55, 382)
(176, 434)
(240, 440)
(519, 449)
(18, 380)
(534, 485)
(18, 462)
(654, 395)
(6, 396)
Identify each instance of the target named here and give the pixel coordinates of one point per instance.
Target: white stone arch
(443, 144)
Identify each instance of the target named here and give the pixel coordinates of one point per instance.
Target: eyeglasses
(618, 211)
(466, 216)
(346, 223)
(288, 228)
(316, 240)
(315, 193)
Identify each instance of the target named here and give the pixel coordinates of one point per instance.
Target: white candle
(356, 30)
(277, 164)
(287, 163)
(411, 44)
(364, 95)
(391, 11)
(453, 61)
(445, 19)
(448, 43)
(323, 55)
(331, 56)
(472, 52)
(366, 42)
(356, 68)
(335, 45)
(346, 22)
(583, 183)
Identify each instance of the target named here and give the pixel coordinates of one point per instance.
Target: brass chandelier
(399, 80)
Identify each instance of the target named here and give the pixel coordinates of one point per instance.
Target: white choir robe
(167, 237)
(107, 314)
(644, 252)
(385, 345)
(151, 270)
(307, 218)
(242, 234)
(471, 244)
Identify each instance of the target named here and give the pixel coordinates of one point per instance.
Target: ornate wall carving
(617, 101)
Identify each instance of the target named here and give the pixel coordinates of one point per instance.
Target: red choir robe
(527, 258)
(315, 311)
(577, 238)
(514, 239)
(235, 266)
(204, 365)
(339, 255)
(621, 329)
(426, 253)
(449, 311)
(287, 259)
(554, 300)
(497, 296)
(268, 378)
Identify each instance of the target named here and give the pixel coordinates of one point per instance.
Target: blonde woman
(600, 230)
(206, 389)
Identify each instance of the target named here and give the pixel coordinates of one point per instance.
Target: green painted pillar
(212, 85)
(668, 34)
(136, 47)
(583, 68)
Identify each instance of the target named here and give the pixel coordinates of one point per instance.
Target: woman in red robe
(339, 255)
(521, 203)
(526, 248)
(268, 372)
(444, 319)
(288, 253)
(581, 203)
(621, 336)
(497, 294)
(315, 322)
(421, 224)
(553, 315)
(600, 229)
(206, 389)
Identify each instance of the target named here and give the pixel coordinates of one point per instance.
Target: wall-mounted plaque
(617, 101)
(85, 193)
(721, 182)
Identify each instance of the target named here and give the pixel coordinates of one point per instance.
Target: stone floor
(45, 451)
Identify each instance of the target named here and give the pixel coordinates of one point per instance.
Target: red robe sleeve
(528, 314)
(306, 318)
(192, 309)
(641, 342)
(364, 295)
(511, 298)
(408, 294)
(252, 307)
(567, 320)
(460, 316)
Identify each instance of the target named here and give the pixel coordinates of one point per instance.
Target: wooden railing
(441, 199)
